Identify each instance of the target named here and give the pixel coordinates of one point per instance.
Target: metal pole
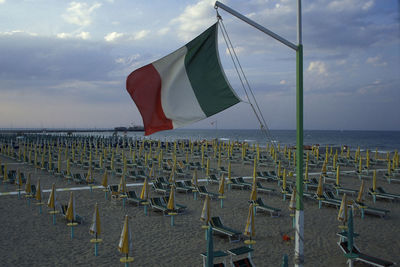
(299, 236)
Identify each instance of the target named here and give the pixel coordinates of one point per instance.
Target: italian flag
(183, 87)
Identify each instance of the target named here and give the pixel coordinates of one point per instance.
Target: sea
(384, 141)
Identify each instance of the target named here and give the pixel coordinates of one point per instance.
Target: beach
(30, 238)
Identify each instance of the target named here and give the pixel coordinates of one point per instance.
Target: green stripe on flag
(206, 75)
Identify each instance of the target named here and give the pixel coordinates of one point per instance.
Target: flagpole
(299, 236)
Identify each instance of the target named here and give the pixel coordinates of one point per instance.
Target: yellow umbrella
(28, 189)
(208, 167)
(250, 226)
(104, 182)
(205, 213)
(360, 165)
(89, 176)
(70, 215)
(95, 228)
(145, 190)
(122, 185)
(172, 175)
(18, 181)
(194, 179)
(221, 189)
(51, 203)
(292, 204)
(125, 241)
(253, 194)
(342, 216)
(68, 167)
(171, 200)
(284, 180)
(229, 171)
(5, 175)
(279, 169)
(306, 173)
(337, 176)
(360, 192)
(323, 171)
(320, 187)
(254, 168)
(374, 181)
(38, 195)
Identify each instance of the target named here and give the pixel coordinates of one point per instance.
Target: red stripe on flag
(144, 86)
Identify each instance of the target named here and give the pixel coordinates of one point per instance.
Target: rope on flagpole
(245, 82)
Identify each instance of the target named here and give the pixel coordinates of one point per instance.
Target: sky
(65, 63)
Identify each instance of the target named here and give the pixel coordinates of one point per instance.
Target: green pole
(299, 237)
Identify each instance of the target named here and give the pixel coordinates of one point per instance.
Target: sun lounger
(216, 254)
(219, 227)
(244, 262)
(368, 210)
(181, 187)
(157, 205)
(275, 212)
(63, 210)
(132, 198)
(163, 181)
(213, 179)
(159, 188)
(261, 188)
(189, 184)
(264, 176)
(204, 192)
(78, 179)
(113, 189)
(378, 195)
(364, 257)
(381, 191)
(235, 184)
(179, 207)
(241, 181)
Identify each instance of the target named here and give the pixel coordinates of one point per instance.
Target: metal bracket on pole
(256, 25)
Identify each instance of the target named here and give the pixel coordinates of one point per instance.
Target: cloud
(163, 31)
(81, 35)
(194, 19)
(119, 36)
(113, 36)
(376, 61)
(238, 50)
(18, 32)
(317, 67)
(283, 82)
(80, 13)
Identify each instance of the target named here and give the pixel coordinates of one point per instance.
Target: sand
(31, 239)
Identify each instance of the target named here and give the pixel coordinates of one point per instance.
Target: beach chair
(261, 188)
(179, 172)
(132, 198)
(242, 181)
(368, 210)
(78, 179)
(235, 184)
(118, 171)
(204, 192)
(163, 181)
(216, 254)
(113, 189)
(274, 212)
(159, 188)
(382, 191)
(219, 227)
(264, 176)
(222, 170)
(374, 261)
(189, 184)
(213, 179)
(157, 205)
(243, 262)
(179, 207)
(141, 175)
(181, 187)
(131, 174)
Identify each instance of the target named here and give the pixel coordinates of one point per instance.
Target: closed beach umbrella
(171, 200)
(51, 203)
(5, 174)
(28, 189)
(104, 182)
(337, 176)
(229, 171)
(194, 179)
(125, 242)
(38, 195)
(95, 228)
(360, 192)
(145, 190)
(279, 169)
(250, 225)
(320, 187)
(18, 181)
(89, 176)
(284, 180)
(172, 175)
(205, 213)
(374, 181)
(253, 195)
(221, 189)
(68, 167)
(292, 204)
(70, 215)
(360, 165)
(208, 167)
(342, 215)
(122, 185)
(306, 173)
